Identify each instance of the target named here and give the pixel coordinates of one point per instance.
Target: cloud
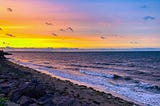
(11, 35)
(9, 9)
(105, 36)
(133, 42)
(149, 18)
(1, 29)
(144, 6)
(70, 29)
(48, 23)
(113, 36)
(54, 34)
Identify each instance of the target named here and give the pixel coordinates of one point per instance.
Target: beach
(27, 87)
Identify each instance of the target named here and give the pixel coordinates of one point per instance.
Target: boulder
(45, 99)
(25, 101)
(14, 95)
(34, 90)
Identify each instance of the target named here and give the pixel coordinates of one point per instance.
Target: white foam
(97, 74)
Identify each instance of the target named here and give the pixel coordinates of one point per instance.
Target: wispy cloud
(144, 6)
(149, 18)
(133, 42)
(1, 29)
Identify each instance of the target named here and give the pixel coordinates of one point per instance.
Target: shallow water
(135, 75)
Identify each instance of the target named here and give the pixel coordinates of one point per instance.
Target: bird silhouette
(134, 42)
(102, 37)
(70, 29)
(62, 30)
(48, 23)
(10, 9)
(54, 34)
(11, 35)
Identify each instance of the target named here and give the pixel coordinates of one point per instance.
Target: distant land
(79, 50)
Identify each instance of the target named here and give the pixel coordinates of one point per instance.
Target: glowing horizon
(79, 24)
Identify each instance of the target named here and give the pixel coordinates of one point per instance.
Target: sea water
(134, 75)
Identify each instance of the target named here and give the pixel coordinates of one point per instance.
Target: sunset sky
(80, 23)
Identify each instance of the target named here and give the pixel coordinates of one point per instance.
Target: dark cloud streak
(144, 6)
(149, 18)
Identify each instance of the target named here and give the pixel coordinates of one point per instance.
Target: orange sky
(27, 24)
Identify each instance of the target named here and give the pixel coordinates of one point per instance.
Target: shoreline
(81, 84)
(79, 94)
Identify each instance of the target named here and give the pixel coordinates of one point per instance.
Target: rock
(9, 103)
(25, 101)
(49, 103)
(2, 80)
(34, 104)
(66, 101)
(14, 95)
(29, 89)
(45, 99)
(2, 95)
(34, 90)
(4, 89)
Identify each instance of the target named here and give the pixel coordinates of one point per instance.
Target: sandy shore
(28, 87)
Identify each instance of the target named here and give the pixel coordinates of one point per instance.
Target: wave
(113, 76)
(86, 66)
(150, 87)
(97, 74)
(99, 63)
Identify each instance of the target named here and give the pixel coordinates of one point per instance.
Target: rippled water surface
(135, 75)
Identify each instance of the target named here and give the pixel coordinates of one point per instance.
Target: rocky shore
(22, 86)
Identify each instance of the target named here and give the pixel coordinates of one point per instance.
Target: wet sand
(27, 87)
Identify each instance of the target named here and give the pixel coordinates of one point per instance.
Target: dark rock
(2, 80)
(34, 104)
(116, 76)
(49, 103)
(25, 101)
(6, 87)
(14, 95)
(9, 103)
(45, 99)
(34, 90)
(66, 101)
(2, 95)
(30, 89)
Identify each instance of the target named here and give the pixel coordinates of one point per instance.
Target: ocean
(131, 75)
